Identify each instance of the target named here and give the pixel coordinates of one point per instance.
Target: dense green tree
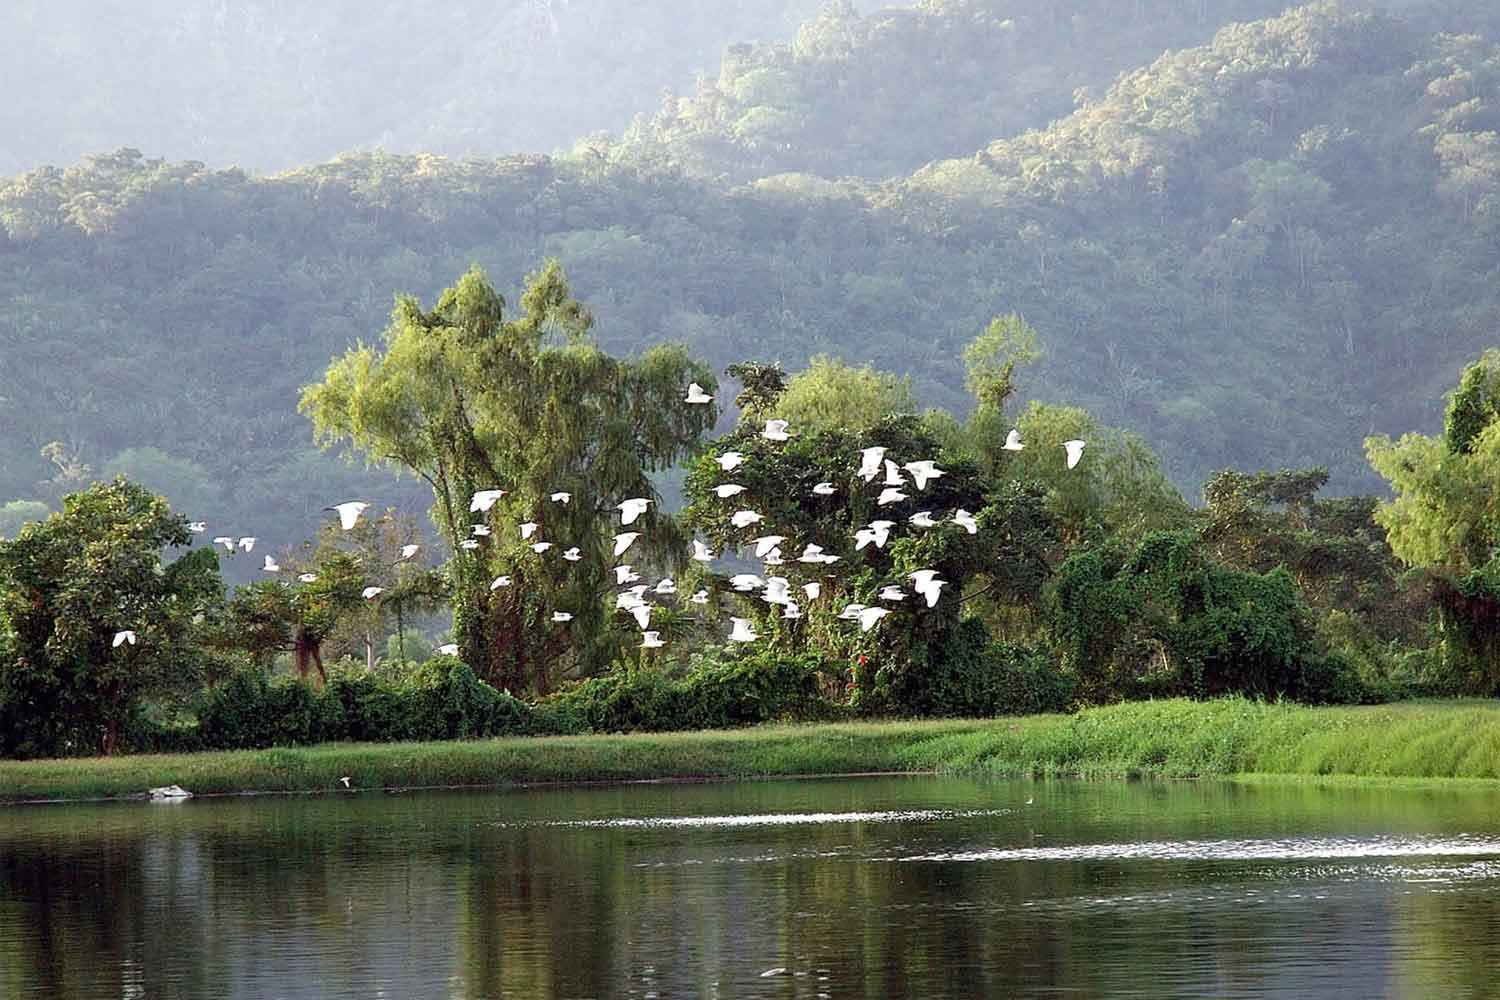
(68, 585)
(1443, 520)
(832, 395)
(471, 400)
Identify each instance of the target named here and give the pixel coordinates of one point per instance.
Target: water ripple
(773, 819)
(1232, 850)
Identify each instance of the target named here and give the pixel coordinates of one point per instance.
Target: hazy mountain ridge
(1245, 274)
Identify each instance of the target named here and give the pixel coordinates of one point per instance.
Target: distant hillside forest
(1254, 252)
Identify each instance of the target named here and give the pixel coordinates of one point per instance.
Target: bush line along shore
(1172, 738)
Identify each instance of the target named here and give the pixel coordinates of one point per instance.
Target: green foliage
(1474, 405)
(719, 689)
(1162, 618)
(17, 513)
(440, 700)
(991, 359)
(830, 395)
(67, 586)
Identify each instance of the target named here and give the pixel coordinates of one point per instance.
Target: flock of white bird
(775, 590)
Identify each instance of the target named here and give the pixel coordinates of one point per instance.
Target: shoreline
(1233, 739)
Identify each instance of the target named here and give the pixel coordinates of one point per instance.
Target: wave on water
(1234, 850)
(775, 819)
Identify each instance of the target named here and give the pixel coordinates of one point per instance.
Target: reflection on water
(851, 888)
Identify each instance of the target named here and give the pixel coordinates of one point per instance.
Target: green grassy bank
(1436, 739)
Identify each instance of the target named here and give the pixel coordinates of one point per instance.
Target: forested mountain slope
(1254, 252)
(268, 84)
(879, 95)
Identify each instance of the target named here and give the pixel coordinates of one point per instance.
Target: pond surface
(857, 887)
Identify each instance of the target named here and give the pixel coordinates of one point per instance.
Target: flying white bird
(624, 574)
(126, 636)
(877, 532)
(499, 581)
(308, 577)
(346, 779)
(528, 528)
(628, 601)
(197, 527)
(791, 610)
(727, 490)
(271, 566)
(247, 543)
(923, 472)
(870, 616)
(824, 489)
(696, 395)
(560, 497)
(775, 431)
(469, 543)
(632, 509)
(651, 640)
(926, 584)
(540, 547)
(893, 474)
(778, 590)
(922, 519)
(642, 614)
(407, 551)
(812, 590)
(449, 649)
(701, 552)
(624, 540)
(699, 597)
(869, 462)
(892, 593)
(851, 612)
(349, 512)
(765, 543)
(1075, 451)
(730, 460)
(666, 585)
(369, 593)
(773, 558)
(811, 554)
(225, 541)
(482, 530)
(561, 616)
(964, 518)
(744, 518)
(573, 554)
(1013, 440)
(484, 499)
(889, 496)
(746, 582)
(744, 631)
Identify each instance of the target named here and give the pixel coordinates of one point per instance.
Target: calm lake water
(862, 887)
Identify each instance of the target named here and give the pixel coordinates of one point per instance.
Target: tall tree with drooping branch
(471, 398)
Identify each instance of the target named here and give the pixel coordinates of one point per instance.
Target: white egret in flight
(746, 582)
(307, 577)
(642, 614)
(499, 581)
(923, 472)
(1013, 440)
(893, 474)
(632, 509)
(561, 616)
(370, 593)
(624, 574)
(775, 431)
(225, 541)
(540, 547)
(744, 630)
(890, 495)
(744, 518)
(892, 593)
(407, 551)
(469, 543)
(247, 543)
(869, 462)
(964, 518)
(560, 497)
(483, 500)
(922, 519)
(727, 490)
(765, 543)
(666, 585)
(730, 460)
(449, 649)
(128, 635)
(699, 597)
(271, 566)
(812, 590)
(573, 554)
(870, 616)
(624, 540)
(701, 552)
(1075, 451)
(349, 512)
(197, 527)
(651, 640)
(528, 528)
(696, 395)
(481, 530)
(824, 489)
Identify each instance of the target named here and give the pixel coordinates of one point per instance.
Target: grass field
(1227, 737)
